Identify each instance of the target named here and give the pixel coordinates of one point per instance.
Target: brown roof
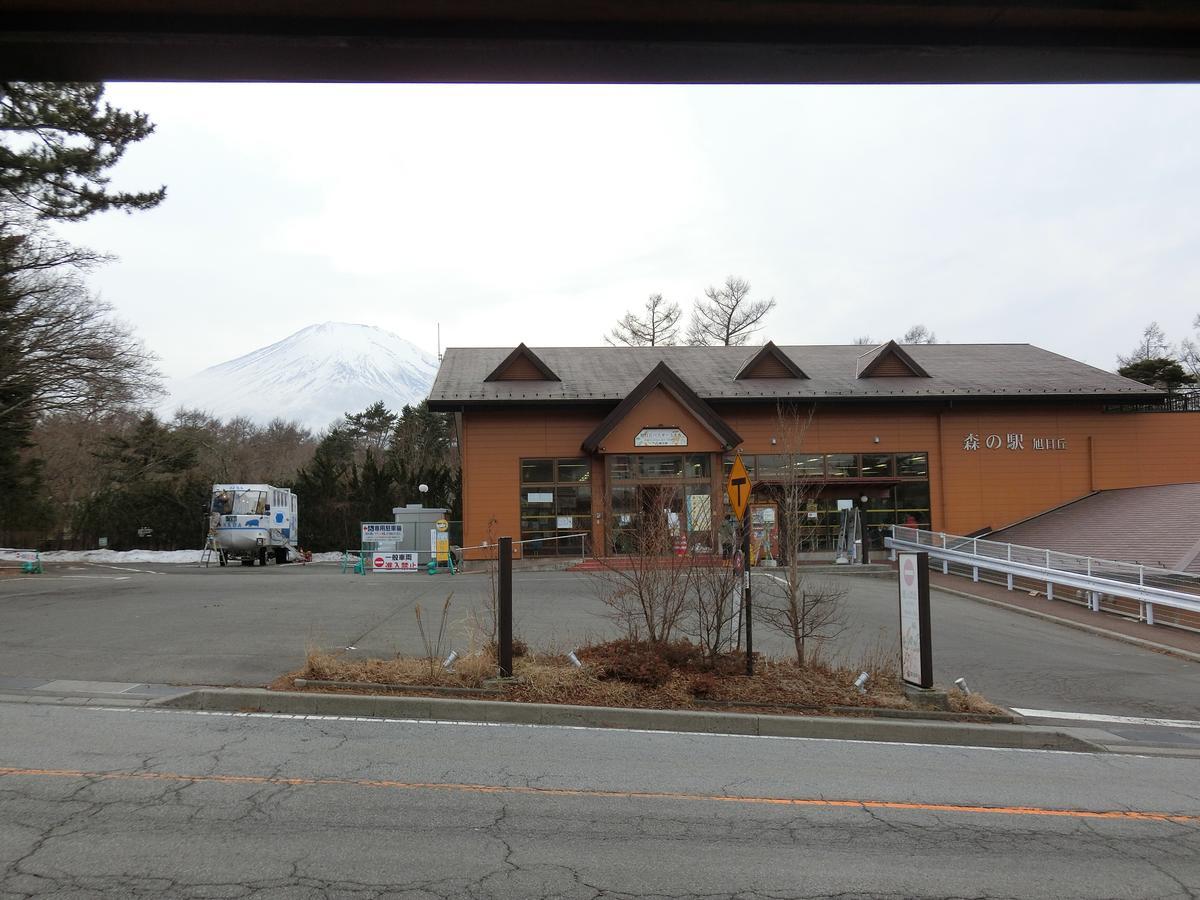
(600, 374)
(1155, 526)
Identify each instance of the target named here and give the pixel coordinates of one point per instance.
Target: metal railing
(27, 561)
(1096, 578)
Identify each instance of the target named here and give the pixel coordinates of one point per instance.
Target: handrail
(1145, 584)
(28, 561)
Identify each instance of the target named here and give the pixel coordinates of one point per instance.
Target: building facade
(957, 437)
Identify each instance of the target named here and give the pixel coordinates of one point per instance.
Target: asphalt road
(138, 802)
(184, 625)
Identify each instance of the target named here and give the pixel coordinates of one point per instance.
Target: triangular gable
(661, 376)
(889, 361)
(770, 362)
(522, 365)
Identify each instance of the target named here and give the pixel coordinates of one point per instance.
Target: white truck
(253, 522)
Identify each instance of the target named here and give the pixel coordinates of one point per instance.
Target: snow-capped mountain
(314, 376)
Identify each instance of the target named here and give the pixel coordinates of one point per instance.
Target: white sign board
(394, 562)
(382, 531)
(660, 437)
(916, 663)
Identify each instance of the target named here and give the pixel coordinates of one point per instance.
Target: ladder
(210, 547)
(847, 543)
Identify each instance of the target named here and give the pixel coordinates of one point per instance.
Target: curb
(1071, 623)
(699, 722)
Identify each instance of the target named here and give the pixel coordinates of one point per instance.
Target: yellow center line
(1117, 814)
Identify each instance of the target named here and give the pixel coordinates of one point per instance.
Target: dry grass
(777, 686)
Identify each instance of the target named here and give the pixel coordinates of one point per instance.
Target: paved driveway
(186, 625)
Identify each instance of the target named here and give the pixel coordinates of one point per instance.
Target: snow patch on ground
(156, 557)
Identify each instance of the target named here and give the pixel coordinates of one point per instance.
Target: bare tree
(919, 334)
(1189, 352)
(802, 611)
(865, 341)
(1153, 345)
(727, 317)
(71, 355)
(659, 327)
(646, 590)
(714, 600)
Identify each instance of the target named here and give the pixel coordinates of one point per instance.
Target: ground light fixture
(449, 660)
(961, 684)
(574, 660)
(861, 682)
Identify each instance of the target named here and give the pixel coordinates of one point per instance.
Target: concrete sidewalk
(1163, 638)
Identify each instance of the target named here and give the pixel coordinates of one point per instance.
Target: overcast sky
(1067, 217)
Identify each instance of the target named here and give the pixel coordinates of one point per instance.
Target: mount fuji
(315, 376)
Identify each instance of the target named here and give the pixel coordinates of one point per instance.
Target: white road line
(613, 731)
(1101, 717)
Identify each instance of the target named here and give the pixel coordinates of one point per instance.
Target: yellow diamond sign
(738, 487)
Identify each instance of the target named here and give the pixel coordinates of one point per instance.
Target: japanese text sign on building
(1010, 441)
(738, 487)
(660, 437)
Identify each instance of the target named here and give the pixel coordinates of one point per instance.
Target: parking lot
(174, 624)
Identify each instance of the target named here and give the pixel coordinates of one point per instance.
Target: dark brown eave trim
(534, 360)
(769, 349)
(893, 349)
(662, 376)
(478, 403)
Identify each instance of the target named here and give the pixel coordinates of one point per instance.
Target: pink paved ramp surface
(1154, 526)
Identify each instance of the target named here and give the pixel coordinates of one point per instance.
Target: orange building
(957, 437)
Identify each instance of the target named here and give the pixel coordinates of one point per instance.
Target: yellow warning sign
(738, 487)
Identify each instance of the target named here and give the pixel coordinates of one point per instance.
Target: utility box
(420, 526)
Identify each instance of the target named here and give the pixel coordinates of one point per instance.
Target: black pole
(505, 604)
(746, 593)
(862, 525)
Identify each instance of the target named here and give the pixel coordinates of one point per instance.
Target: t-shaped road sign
(738, 487)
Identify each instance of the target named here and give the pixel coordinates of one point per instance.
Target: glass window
(621, 467)
(573, 501)
(912, 465)
(574, 470)
(876, 465)
(747, 461)
(697, 465)
(842, 465)
(809, 464)
(912, 502)
(770, 466)
(624, 500)
(537, 471)
(654, 466)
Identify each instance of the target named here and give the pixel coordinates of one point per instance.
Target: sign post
(738, 488)
(916, 647)
(504, 609)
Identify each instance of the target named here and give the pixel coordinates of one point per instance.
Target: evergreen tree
(66, 140)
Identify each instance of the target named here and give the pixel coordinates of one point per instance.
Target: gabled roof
(522, 352)
(606, 375)
(662, 376)
(768, 353)
(875, 361)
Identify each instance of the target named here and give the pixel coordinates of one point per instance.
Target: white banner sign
(382, 531)
(394, 562)
(660, 437)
